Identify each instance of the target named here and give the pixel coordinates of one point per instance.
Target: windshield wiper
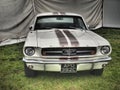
(72, 27)
(46, 28)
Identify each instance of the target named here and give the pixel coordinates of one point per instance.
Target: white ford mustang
(62, 42)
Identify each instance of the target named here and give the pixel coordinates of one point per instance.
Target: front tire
(29, 72)
(97, 72)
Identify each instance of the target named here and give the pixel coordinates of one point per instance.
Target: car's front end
(65, 50)
(48, 60)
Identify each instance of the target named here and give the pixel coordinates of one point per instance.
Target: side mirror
(31, 27)
(90, 28)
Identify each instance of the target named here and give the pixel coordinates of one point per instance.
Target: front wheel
(29, 72)
(97, 72)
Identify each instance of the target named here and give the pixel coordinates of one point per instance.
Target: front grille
(79, 51)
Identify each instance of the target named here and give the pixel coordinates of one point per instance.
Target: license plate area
(68, 68)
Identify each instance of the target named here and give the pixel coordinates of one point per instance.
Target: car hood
(65, 38)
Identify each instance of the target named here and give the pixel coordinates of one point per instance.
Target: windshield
(60, 22)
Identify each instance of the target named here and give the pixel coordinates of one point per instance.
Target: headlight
(105, 49)
(29, 51)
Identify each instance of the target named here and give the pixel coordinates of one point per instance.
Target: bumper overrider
(55, 65)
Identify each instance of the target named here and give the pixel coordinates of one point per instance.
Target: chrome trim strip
(107, 59)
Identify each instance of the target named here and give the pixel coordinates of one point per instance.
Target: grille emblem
(69, 52)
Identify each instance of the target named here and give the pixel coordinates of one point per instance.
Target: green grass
(12, 71)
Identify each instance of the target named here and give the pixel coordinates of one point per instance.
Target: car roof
(57, 13)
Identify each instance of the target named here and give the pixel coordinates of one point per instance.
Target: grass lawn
(12, 71)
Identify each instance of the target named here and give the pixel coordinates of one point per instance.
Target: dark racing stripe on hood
(72, 38)
(61, 37)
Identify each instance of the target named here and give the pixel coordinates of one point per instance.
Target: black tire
(29, 72)
(97, 72)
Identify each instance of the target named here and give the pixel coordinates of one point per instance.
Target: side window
(81, 23)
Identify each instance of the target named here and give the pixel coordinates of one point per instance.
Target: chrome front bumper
(55, 65)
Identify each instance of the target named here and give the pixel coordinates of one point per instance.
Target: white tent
(17, 15)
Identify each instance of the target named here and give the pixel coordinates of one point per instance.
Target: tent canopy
(17, 15)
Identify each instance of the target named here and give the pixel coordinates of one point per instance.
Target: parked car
(62, 42)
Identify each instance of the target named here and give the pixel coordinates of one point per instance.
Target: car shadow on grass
(58, 74)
